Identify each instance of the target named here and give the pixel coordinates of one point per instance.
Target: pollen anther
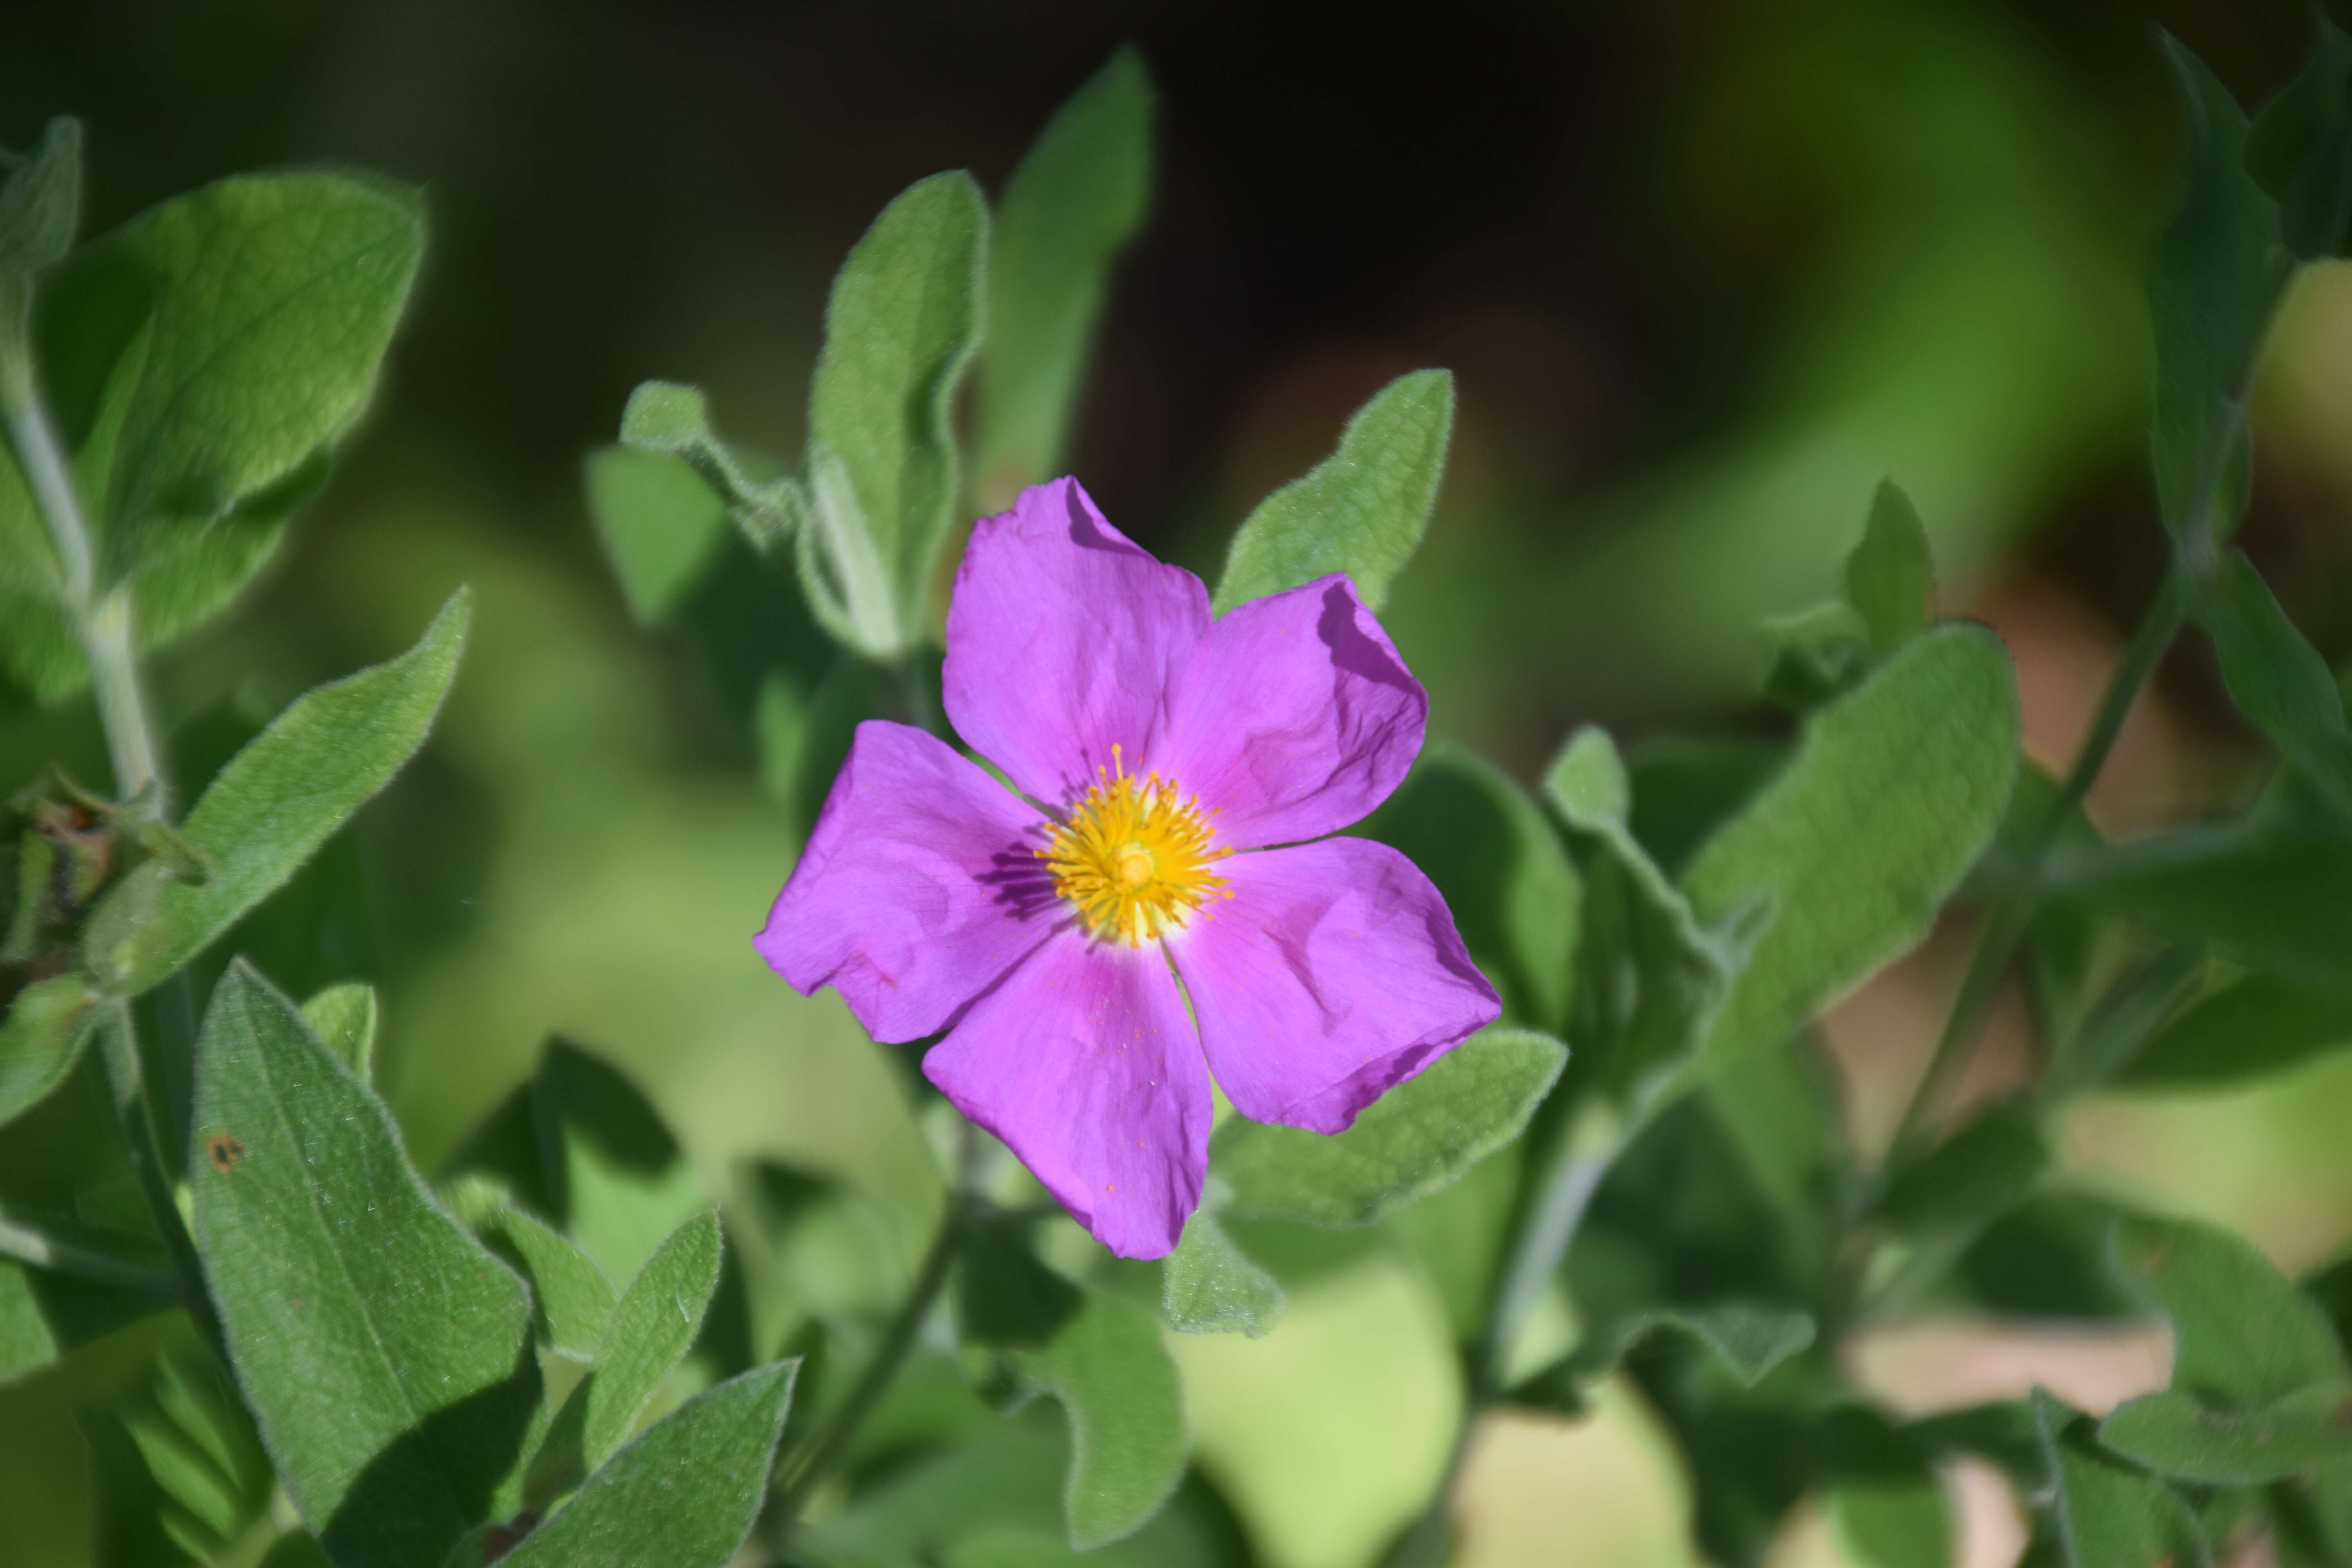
(1135, 855)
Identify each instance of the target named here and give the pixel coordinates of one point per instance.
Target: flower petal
(1296, 719)
(919, 888)
(1063, 640)
(1333, 974)
(1083, 1063)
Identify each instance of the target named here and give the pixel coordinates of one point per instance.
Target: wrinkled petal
(919, 888)
(1083, 1063)
(1333, 974)
(1296, 719)
(1063, 640)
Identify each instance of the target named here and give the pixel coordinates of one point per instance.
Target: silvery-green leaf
(274, 805)
(1362, 510)
(1069, 209)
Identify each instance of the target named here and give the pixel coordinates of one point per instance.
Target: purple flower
(1171, 770)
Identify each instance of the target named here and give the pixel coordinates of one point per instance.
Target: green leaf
(571, 1299)
(2256, 1024)
(832, 1246)
(41, 1038)
(1979, 1173)
(1068, 211)
(204, 354)
(2112, 1039)
(2046, 1258)
(1890, 577)
(1894, 789)
(1817, 653)
(1686, 786)
(2243, 1336)
(1746, 1339)
(2108, 1515)
(685, 1494)
(2267, 900)
(1417, 1138)
(901, 325)
(1649, 978)
(1508, 882)
(343, 1016)
(40, 199)
(211, 1478)
(1362, 510)
(613, 1175)
(1119, 1389)
(45, 1314)
(2300, 148)
(2217, 271)
(660, 523)
(386, 1352)
(2275, 677)
(129, 1509)
(2174, 1435)
(1209, 1286)
(272, 807)
(652, 1327)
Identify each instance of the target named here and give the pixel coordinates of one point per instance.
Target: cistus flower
(1172, 777)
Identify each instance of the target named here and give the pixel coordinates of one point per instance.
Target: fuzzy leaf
(1890, 578)
(2107, 1514)
(901, 325)
(2300, 148)
(2243, 1336)
(1417, 1138)
(1068, 211)
(1511, 888)
(2253, 1025)
(2218, 269)
(41, 1038)
(661, 525)
(1362, 510)
(1894, 789)
(1209, 1286)
(1649, 978)
(274, 805)
(1119, 1389)
(40, 199)
(2268, 900)
(685, 1494)
(571, 1299)
(652, 1327)
(386, 1352)
(2275, 677)
(343, 1017)
(2174, 1435)
(1976, 1174)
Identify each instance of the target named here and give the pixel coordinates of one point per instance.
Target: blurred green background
(1705, 271)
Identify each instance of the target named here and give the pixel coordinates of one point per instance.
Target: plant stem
(1547, 1228)
(102, 622)
(827, 1447)
(30, 1244)
(134, 1113)
(2013, 914)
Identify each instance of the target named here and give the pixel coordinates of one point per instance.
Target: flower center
(1135, 856)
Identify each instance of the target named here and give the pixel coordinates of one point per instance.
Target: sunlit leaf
(274, 805)
(1894, 789)
(2174, 1435)
(2243, 1336)
(652, 1327)
(1210, 1287)
(343, 1016)
(685, 1494)
(1417, 1138)
(2108, 1514)
(386, 1352)
(41, 1037)
(1069, 209)
(660, 523)
(899, 328)
(1889, 577)
(1362, 510)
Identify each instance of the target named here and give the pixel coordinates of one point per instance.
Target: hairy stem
(827, 1447)
(1547, 1225)
(31, 1243)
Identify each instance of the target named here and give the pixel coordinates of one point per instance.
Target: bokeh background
(1705, 271)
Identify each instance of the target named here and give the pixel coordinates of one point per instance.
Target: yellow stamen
(1135, 856)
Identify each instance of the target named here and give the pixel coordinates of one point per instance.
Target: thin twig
(32, 1245)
